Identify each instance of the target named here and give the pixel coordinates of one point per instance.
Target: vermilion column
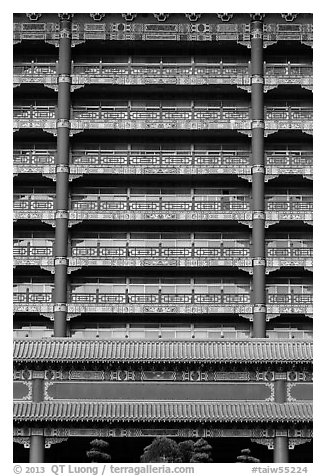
(258, 175)
(62, 178)
(281, 449)
(36, 449)
(281, 441)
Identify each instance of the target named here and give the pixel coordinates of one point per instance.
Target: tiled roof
(74, 350)
(163, 411)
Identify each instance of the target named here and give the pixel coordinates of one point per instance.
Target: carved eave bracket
(269, 177)
(73, 87)
(75, 131)
(52, 86)
(244, 87)
(71, 269)
(268, 43)
(269, 223)
(309, 87)
(48, 268)
(22, 440)
(307, 43)
(75, 42)
(269, 442)
(247, 177)
(271, 269)
(50, 315)
(74, 176)
(53, 441)
(246, 43)
(74, 222)
(49, 176)
(54, 41)
(308, 268)
(53, 131)
(246, 132)
(246, 222)
(269, 87)
(268, 132)
(48, 222)
(247, 269)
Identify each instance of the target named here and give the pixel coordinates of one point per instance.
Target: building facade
(163, 232)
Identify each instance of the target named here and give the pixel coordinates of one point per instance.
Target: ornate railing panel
(30, 254)
(206, 207)
(183, 162)
(289, 208)
(37, 206)
(288, 117)
(160, 256)
(35, 73)
(161, 162)
(35, 161)
(284, 162)
(163, 303)
(174, 73)
(122, 117)
(191, 73)
(288, 73)
(163, 207)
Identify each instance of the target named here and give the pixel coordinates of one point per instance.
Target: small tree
(202, 452)
(186, 449)
(99, 451)
(246, 457)
(161, 450)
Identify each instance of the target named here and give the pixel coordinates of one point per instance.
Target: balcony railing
(161, 162)
(192, 303)
(164, 73)
(284, 162)
(183, 162)
(298, 254)
(164, 117)
(175, 207)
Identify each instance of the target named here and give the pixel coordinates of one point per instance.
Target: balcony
(164, 207)
(30, 253)
(34, 161)
(278, 74)
(219, 117)
(164, 303)
(289, 253)
(164, 162)
(288, 162)
(279, 253)
(185, 73)
(288, 207)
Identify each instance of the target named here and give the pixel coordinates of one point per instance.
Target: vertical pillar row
(62, 180)
(258, 176)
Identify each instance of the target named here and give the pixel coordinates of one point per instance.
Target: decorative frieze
(257, 434)
(162, 30)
